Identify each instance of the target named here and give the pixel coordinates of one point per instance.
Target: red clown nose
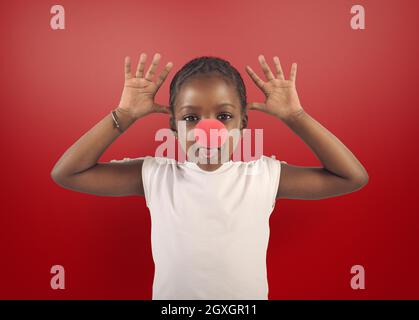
(214, 127)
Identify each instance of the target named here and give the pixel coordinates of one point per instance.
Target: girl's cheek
(233, 126)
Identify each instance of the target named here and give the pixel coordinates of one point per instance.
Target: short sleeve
(146, 173)
(274, 170)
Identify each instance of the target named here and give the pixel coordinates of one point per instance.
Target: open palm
(139, 90)
(281, 95)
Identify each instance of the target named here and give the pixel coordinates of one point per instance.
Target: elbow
(57, 177)
(360, 181)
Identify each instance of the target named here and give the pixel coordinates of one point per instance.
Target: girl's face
(209, 97)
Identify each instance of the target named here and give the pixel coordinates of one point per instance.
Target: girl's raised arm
(78, 168)
(341, 173)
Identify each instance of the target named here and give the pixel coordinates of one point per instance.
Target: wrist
(122, 119)
(125, 114)
(294, 116)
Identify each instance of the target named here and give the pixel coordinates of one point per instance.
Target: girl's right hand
(139, 91)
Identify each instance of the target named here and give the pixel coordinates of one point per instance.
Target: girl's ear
(244, 121)
(173, 125)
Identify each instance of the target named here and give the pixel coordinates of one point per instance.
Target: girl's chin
(209, 153)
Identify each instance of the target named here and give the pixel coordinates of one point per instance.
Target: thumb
(256, 106)
(161, 108)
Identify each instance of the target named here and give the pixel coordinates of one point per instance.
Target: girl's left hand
(281, 95)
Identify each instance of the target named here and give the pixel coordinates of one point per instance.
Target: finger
(259, 82)
(159, 108)
(153, 67)
(256, 106)
(140, 67)
(127, 65)
(279, 72)
(266, 70)
(293, 73)
(164, 74)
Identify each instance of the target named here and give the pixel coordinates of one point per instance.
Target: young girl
(210, 221)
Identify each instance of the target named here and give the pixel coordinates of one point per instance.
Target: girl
(210, 222)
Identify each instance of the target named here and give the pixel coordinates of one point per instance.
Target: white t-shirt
(210, 229)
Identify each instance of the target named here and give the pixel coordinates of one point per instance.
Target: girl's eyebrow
(188, 106)
(218, 106)
(226, 105)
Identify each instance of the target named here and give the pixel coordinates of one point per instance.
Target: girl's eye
(190, 118)
(225, 116)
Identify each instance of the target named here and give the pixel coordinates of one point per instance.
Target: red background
(360, 84)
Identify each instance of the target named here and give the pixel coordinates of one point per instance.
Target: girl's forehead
(205, 90)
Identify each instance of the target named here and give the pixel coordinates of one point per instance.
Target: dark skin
(341, 172)
(209, 97)
(78, 168)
